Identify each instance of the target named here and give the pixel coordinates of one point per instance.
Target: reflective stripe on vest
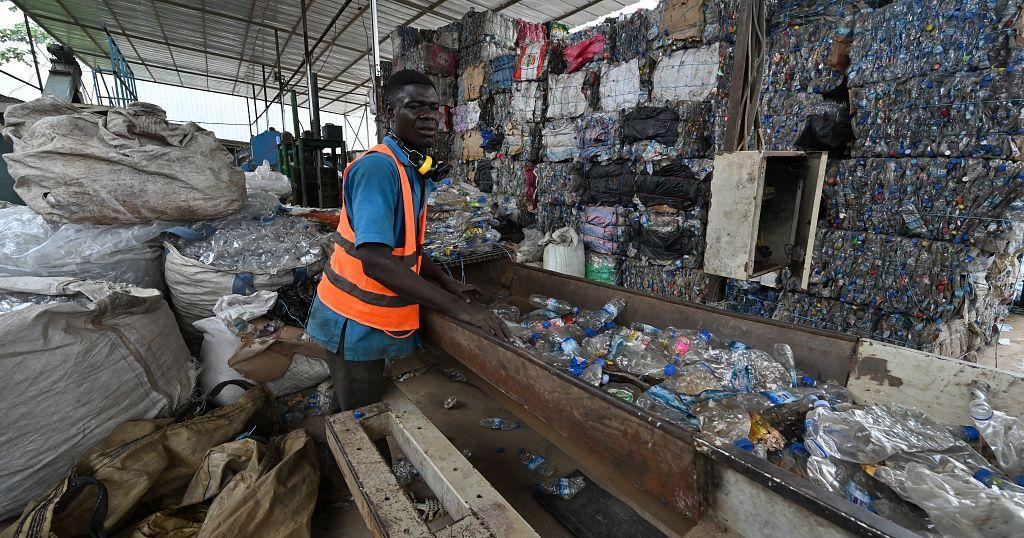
(347, 290)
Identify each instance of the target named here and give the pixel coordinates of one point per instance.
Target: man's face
(414, 112)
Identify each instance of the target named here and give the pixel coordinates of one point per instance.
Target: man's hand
(483, 318)
(466, 292)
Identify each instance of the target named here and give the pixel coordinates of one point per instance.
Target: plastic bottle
(598, 345)
(724, 418)
(498, 424)
(691, 379)
(623, 391)
(594, 373)
(1002, 433)
(566, 487)
(552, 304)
(599, 317)
(994, 481)
(536, 463)
(784, 355)
(563, 339)
(525, 334)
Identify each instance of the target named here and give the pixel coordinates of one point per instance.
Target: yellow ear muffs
(428, 163)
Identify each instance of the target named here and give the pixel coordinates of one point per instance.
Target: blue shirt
(373, 201)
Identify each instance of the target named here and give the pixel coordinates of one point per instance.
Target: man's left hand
(467, 292)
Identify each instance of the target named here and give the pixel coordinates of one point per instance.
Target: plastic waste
(565, 487)
(598, 318)
(536, 463)
(724, 418)
(594, 373)
(553, 304)
(404, 471)
(450, 402)
(623, 391)
(498, 424)
(784, 356)
(1003, 433)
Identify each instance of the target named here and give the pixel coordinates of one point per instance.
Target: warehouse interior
(755, 267)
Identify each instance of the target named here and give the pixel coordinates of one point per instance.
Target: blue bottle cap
(744, 444)
(589, 333)
(981, 475)
(358, 414)
(1020, 480)
(609, 326)
(705, 335)
(535, 336)
(807, 381)
(669, 370)
(798, 449)
(970, 433)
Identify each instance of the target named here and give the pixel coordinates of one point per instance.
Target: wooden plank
(458, 485)
(935, 384)
(384, 506)
(811, 203)
(734, 214)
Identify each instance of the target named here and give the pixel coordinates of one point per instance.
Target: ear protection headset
(425, 164)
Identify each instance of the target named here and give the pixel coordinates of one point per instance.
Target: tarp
(584, 52)
(650, 123)
(683, 19)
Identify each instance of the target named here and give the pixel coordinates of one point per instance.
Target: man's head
(411, 105)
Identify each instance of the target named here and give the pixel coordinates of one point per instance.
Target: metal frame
(124, 91)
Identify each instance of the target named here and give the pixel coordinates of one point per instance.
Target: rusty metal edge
(844, 514)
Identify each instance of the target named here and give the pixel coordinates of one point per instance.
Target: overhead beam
(119, 25)
(167, 41)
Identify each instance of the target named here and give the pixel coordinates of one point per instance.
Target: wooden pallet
(477, 509)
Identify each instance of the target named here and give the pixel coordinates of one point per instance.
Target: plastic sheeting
(620, 86)
(651, 123)
(688, 75)
(584, 52)
(528, 101)
(530, 32)
(599, 136)
(34, 247)
(562, 140)
(531, 62)
(566, 95)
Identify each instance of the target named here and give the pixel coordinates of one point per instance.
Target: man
(367, 305)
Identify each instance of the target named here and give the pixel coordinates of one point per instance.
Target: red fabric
(531, 186)
(530, 32)
(530, 63)
(583, 53)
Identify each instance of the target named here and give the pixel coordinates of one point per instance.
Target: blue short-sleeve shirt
(374, 204)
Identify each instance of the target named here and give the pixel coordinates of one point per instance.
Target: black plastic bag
(484, 176)
(675, 185)
(613, 183)
(826, 132)
(665, 245)
(651, 123)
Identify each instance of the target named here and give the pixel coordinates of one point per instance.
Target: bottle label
(534, 463)
(683, 345)
(705, 335)
(779, 397)
(563, 487)
(857, 495)
(610, 308)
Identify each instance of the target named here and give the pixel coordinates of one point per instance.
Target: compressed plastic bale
(471, 83)
(528, 101)
(612, 183)
(561, 140)
(466, 116)
(826, 313)
(599, 136)
(667, 281)
(531, 61)
(620, 86)
(500, 71)
(688, 75)
(811, 56)
(650, 123)
(112, 354)
(566, 95)
(530, 32)
(129, 254)
(786, 116)
(634, 34)
(128, 167)
(603, 268)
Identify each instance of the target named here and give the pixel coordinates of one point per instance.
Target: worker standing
(367, 308)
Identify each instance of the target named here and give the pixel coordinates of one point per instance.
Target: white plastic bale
(565, 95)
(620, 86)
(686, 75)
(561, 139)
(73, 372)
(130, 166)
(564, 253)
(528, 101)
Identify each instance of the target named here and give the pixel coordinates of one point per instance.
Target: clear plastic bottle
(995, 481)
(599, 317)
(565, 487)
(553, 304)
(525, 334)
(691, 379)
(563, 339)
(724, 418)
(594, 373)
(1002, 433)
(536, 463)
(784, 355)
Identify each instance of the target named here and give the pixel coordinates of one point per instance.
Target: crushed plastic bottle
(784, 356)
(598, 318)
(536, 463)
(623, 391)
(565, 487)
(450, 402)
(404, 471)
(498, 424)
(594, 373)
(723, 418)
(1003, 433)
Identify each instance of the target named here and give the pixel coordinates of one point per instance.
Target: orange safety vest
(346, 289)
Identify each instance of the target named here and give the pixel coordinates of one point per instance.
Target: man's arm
(380, 265)
(431, 271)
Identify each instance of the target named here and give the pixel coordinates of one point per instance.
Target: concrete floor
(1007, 357)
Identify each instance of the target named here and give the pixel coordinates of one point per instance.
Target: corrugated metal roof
(228, 46)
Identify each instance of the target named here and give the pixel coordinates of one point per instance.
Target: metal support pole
(314, 103)
(378, 84)
(280, 79)
(300, 157)
(314, 123)
(266, 105)
(255, 109)
(32, 47)
(248, 114)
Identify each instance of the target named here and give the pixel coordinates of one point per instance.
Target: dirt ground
(1008, 357)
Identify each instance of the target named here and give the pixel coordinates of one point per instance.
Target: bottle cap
(705, 335)
(609, 325)
(981, 475)
(798, 449)
(1020, 480)
(970, 433)
(744, 444)
(807, 381)
(535, 336)
(589, 333)
(358, 414)
(670, 370)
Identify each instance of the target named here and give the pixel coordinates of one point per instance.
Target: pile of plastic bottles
(784, 116)
(459, 221)
(966, 201)
(912, 38)
(672, 281)
(893, 460)
(942, 114)
(12, 301)
(261, 237)
(808, 57)
(828, 314)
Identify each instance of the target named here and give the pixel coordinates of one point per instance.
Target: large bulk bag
(130, 166)
(564, 253)
(195, 287)
(130, 254)
(75, 370)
